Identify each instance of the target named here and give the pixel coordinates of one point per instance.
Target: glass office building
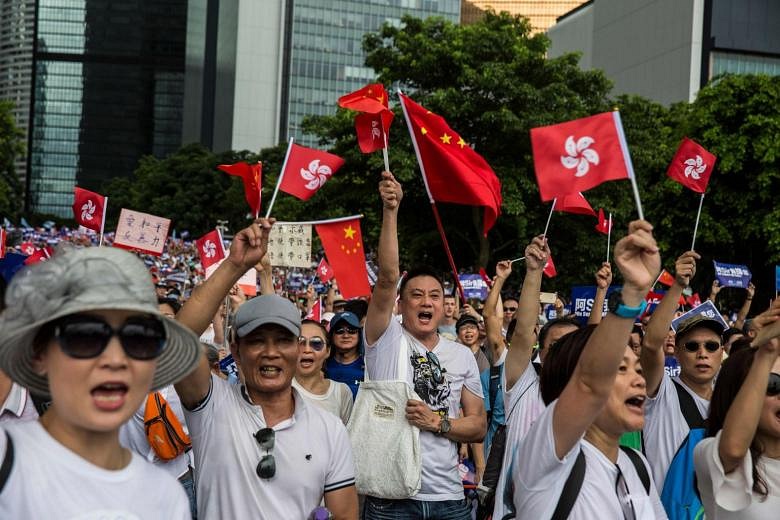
(108, 88)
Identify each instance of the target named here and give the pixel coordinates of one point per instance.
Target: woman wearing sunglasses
(84, 330)
(310, 378)
(346, 364)
(738, 465)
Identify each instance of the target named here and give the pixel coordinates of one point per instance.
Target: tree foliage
(11, 146)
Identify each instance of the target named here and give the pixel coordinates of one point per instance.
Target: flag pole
(696, 226)
(326, 221)
(609, 234)
(517, 260)
(260, 194)
(627, 160)
(103, 223)
(384, 150)
(279, 181)
(547, 226)
(430, 198)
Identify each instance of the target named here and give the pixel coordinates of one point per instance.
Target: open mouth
(109, 396)
(637, 402)
(270, 371)
(306, 362)
(425, 317)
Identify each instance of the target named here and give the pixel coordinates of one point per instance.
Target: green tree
(11, 146)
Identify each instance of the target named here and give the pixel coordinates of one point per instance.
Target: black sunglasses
(510, 309)
(315, 342)
(86, 337)
(693, 346)
(346, 330)
(773, 387)
(266, 468)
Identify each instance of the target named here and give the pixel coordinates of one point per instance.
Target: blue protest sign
(228, 365)
(777, 277)
(732, 275)
(707, 309)
(473, 286)
(582, 297)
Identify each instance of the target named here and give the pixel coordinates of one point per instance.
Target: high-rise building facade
(541, 13)
(108, 88)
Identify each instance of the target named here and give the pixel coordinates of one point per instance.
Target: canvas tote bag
(386, 448)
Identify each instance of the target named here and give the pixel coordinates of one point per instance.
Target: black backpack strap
(8, 461)
(495, 381)
(688, 407)
(639, 464)
(571, 489)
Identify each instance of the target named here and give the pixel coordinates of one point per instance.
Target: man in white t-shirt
(261, 451)
(442, 373)
(699, 351)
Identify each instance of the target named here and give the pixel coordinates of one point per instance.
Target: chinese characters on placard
(141, 231)
(290, 245)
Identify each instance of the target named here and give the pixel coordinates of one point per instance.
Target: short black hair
(357, 307)
(560, 363)
(420, 270)
(167, 300)
(511, 297)
(568, 320)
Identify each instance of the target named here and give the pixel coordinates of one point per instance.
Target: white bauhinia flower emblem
(695, 167)
(376, 133)
(580, 155)
(87, 210)
(316, 174)
(324, 270)
(209, 249)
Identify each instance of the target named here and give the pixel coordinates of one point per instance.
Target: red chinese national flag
(343, 245)
(252, 175)
(306, 170)
(604, 224)
(89, 209)
(210, 248)
(574, 203)
(452, 170)
(578, 155)
(372, 99)
(324, 271)
(666, 278)
(549, 268)
(692, 165)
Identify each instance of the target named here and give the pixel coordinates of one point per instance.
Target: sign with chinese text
(141, 231)
(289, 245)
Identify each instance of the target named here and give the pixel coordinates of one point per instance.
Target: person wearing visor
(84, 330)
(346, 364)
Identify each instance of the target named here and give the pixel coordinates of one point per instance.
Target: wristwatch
(616, 306)
(444, 426)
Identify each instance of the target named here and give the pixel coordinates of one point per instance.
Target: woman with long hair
(738, 464)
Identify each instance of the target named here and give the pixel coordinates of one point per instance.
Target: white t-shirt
(522, 406)
(337, 399)
(312, 452)
(47, 480)
(540, 476)
(132, 435)
(440, 477)
(665, 426)
(731, 497)
(18, 405)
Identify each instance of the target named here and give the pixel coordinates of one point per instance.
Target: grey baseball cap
(80, 280)
(699, 321)
(267, 309)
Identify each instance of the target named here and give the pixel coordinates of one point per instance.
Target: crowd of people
(116, 402)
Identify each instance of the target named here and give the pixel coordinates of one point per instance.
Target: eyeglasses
(773, 387)
(86, 337)
(624, 496)
(315, 342)
(510, 309)
(693, 346)
(266, 468)
(346, 330)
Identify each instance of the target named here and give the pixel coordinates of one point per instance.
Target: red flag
(307, 170)
(371, 99)
(2, 243)
(324, 271)
(210, 248)
(604, 224)
(252, 175)
(549, 268)
(485, 277)
(694, 300)
(39, 255)
(579, 155)
(372, 130)
(343, 245)
(666, 278)
(27, 248)
(574, 203)
(692, 165)
(89, 209)
(316, 311)
(452, 170)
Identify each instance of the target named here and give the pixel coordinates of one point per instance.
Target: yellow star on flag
(445, 138)
(423, 130)
(461, 142)
(349, 232)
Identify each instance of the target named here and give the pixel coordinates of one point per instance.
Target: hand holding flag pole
(279, 181)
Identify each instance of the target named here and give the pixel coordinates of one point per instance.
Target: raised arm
(490, 313)
(652, 356)
(637, 258)
(248, 247)
(265, 275)
(716, 287)
(743, 416)
(380, 308)
(522, 342)
(743, 312)
(603, 281)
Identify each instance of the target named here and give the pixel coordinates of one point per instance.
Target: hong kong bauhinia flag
(307, 170)
(324, 271)
(89, 209)
(343, 245)
(252, 176)
(316, 311)
(373, 124)
(692, 165)
(210, 248)
(578, 155)
(604, 223)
